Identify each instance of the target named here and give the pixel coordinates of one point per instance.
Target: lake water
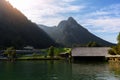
(59, 70)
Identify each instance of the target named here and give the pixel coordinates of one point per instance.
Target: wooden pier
(115, 58)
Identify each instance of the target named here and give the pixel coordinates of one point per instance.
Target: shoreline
(19, 59)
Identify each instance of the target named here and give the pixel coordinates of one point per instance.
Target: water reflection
(115, 68)
(92, 71)
(36, 70)
(59, 70)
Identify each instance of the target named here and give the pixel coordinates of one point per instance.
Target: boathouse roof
(90, 51)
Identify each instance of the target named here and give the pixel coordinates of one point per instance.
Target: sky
(101, 17)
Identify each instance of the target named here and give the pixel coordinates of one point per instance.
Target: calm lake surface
(59, 70)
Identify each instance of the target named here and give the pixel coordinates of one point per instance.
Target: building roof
(90, 51)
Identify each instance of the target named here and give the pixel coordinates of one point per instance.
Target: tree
(118, 38)
(11, 53)
(115, 50)
(51, 52)
(93, 44)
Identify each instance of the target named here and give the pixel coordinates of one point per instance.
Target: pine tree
(51, 52)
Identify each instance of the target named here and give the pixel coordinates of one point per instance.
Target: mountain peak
(69, 23)
(69, 33)
(72, 20)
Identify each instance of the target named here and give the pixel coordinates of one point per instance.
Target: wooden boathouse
(89, 53)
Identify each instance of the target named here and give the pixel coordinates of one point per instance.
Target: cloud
(105, 24)
(112, 10)
(49, 11)
(68, 0)
(106, 19)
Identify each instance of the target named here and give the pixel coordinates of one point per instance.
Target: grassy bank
(39, 58)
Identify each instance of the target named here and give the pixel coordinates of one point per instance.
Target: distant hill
(16, 30)
(69, 33)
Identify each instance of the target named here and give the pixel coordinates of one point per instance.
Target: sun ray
(20, 3)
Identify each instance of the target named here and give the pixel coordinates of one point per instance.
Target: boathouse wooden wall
(90, 53)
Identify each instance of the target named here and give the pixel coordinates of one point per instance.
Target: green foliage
(34, 54)
(11, 53)
(118, 38)
(115, 50)
(111, 52)
(51, 51)
(67, 50)
(57, 51)
(93, 44)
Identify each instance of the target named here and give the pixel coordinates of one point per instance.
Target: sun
(20, 3)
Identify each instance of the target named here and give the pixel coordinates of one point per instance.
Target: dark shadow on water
(88, 59)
